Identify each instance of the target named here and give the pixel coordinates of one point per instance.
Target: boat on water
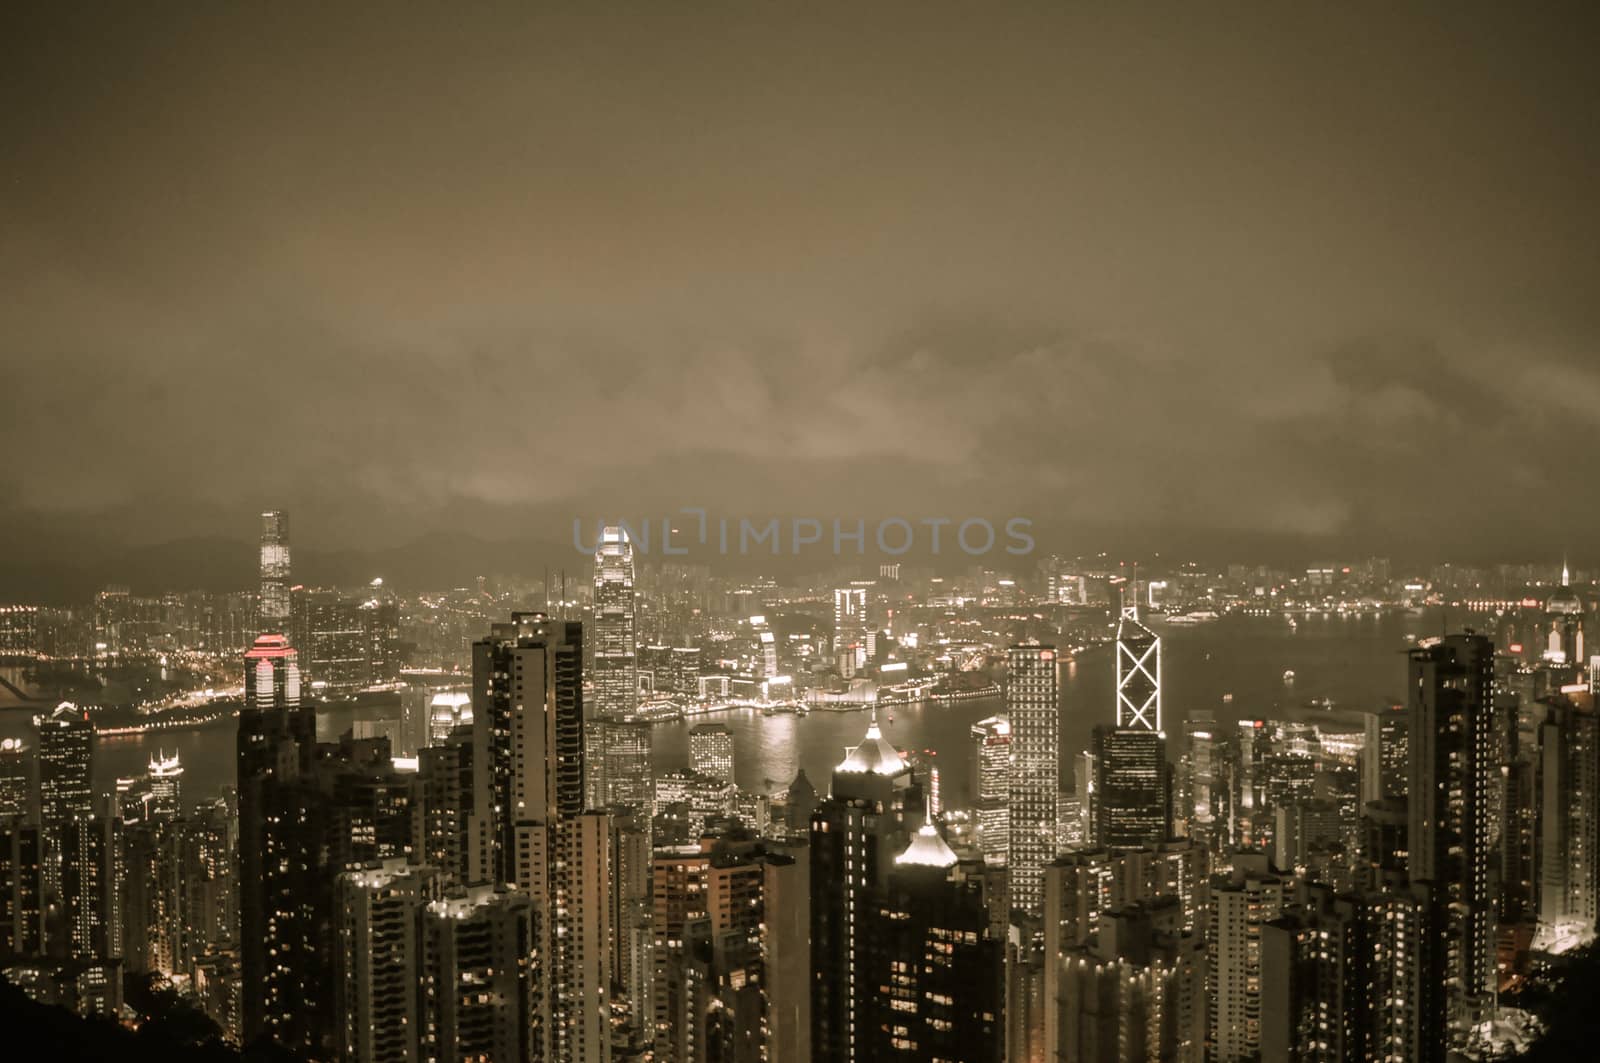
(1288, 675)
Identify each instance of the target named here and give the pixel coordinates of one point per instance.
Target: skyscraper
(931, 966)
(711, 751)
(616, 676)
(16, 778)
(732, 951)
(867, 818)
(850, 623)
(527, 714)
(273, 611)
(1451, 739)
(991, 787)
(1252, 898)
(1133, 791)
(1032, 706)
(271, 675)
(307, 811)
(1138, 672)
(66, 745)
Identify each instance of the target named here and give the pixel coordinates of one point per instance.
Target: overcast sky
(1207, 274)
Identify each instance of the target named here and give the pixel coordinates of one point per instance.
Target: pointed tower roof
(927, 849)
(875, 755)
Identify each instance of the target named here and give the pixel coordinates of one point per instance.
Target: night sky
(1207, 278)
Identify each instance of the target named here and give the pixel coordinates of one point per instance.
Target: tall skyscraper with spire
(274, 606)
(616, 671)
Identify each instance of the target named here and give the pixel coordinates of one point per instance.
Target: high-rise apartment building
(528, 715)
(1452, 752)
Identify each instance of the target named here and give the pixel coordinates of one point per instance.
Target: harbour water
(1358, 662)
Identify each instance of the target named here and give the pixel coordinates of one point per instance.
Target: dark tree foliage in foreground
(171, 1030)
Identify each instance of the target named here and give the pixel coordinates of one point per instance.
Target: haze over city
(1171, 277)
(799, 533)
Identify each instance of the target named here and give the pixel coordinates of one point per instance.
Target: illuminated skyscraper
(274, 606)
(850, 623)
(527, 713)
(867, 818)
(1138, 672)
(991, 787)
(166, 782)
(1032, 705)
(932, 961)
(16, 782)
(1565, 613)
(1451, 739)
(616, 675)
(1133, 792)
(271, 675)
(711, 751)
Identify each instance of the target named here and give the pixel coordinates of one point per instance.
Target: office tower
(16, 778)
(1384, 758)
(1568, 816)
(1241, 906)
(850, 624)
(683, 675)
(528, 714)
(1134, 992)
(732, 955)
(19, 630)
(377, 960)
(447, 710)
(867, 818)
(66, 760)
(931, 967)
(479, 952)
(22, 890)
(686, 803)
(618, 766)
(711, 751)
(991, 787)
(616, 678)
(1564, 611)
(1133, 787)
(454, 795)
(271, 675)
(1138, 672)
(273, 609)
(1452, 753)
(332, 636)
(1031, 705)
(166, 785)
(307, 811)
